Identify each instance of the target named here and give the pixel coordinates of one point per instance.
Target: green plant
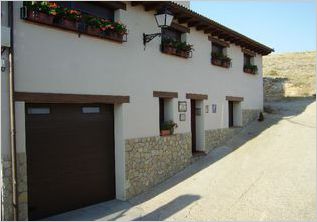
(168, 125)
(221, 56)
(51, 8)
(179, 45)
(72, 15)
(254, 68)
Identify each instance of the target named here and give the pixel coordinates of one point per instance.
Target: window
(38, 110)
(165, 112)
(162, 119)
(90, 109)
(93, 8)
(217, 49)
(247, 59)
(172, 34)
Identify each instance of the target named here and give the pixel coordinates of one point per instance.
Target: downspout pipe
(12, 113)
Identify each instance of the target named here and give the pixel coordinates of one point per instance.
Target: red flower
(53, 5)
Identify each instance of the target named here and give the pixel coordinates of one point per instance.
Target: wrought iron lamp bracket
(148, 37)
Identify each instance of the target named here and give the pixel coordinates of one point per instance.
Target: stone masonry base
(152, 160)
(21, 187)
(249, 115)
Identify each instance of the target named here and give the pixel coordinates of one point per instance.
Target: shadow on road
(117, 210)
(170, 208)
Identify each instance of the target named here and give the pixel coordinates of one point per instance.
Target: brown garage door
(70, 156)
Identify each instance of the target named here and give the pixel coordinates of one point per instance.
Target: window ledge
(220, 63)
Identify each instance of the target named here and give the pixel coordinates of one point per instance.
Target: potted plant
(93, 24)
(216, 58)
(226, 61)
(188, 49)
(252, 69)
(70, 18)
(43, 12)
(167, 128)
(168, 46)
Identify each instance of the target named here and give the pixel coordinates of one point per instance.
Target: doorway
(230, 114)
(193, 123)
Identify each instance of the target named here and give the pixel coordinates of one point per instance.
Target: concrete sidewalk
(266, 172)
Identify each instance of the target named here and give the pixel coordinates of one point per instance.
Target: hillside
(296, 70)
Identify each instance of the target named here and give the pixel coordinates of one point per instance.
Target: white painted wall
(56, 61)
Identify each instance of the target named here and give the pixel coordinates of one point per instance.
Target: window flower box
(220, 60)
(216, 61)
(251, 69)
(49, 13)
(40, 17)
(177, 48)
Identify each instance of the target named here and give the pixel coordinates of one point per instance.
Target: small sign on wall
(207, 109)
(214, 108)
(182, 117)
(182, 106)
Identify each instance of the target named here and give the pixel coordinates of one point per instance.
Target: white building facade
(79, 92)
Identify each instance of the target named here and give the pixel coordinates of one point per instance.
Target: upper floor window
(247, 59)
(248, 62)
(219, 53)
(174, 43)
(171, 33)
(217, 49)
(92, 8)
(91, 18)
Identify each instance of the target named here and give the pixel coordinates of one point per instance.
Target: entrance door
(70, 157)
(193, 123)
(230, 114)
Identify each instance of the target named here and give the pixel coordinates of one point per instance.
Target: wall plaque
(182, 106)
(182, 117)
(214, 108)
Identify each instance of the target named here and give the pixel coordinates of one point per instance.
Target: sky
(286, 26)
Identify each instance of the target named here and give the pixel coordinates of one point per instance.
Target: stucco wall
(51, 60)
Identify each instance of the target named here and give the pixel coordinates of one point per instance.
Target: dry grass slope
(299, 68)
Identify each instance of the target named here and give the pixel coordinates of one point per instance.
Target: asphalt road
(267, 172)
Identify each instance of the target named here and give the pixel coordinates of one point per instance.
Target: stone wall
(21, 188)
(217, 137)
(152, 160)
(249, 115)
(7, 209)
(274, 88)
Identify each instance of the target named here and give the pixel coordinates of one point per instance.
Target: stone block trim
(249, 115)
(7, 209)
(217, 137)
(21, 188)
(152, 160)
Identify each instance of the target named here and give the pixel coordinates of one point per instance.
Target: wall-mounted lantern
(163, 19)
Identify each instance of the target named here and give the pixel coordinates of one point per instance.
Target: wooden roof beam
(193, 23)
(135, 3)
(151, 6)
(184, 19)
(201, 27)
